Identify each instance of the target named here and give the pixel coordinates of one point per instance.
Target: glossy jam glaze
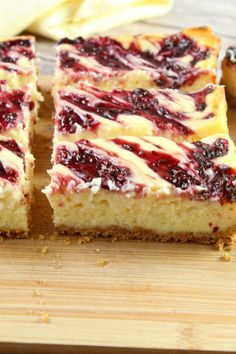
(196, 174)
(164, 64)
(78, 109)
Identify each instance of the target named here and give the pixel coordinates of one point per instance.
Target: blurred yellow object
(71, 18)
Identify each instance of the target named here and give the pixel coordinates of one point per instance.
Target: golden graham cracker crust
(119, 233)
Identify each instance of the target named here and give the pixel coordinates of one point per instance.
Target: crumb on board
(31, 312)
(58, 255)
(226, 257)
(229, 246)
(114, 239)
(41, 302)
(57, 266)
(53, 237)
(44, 250)
(67, 242)
(85, 239)
(41, 237)
(97, 250)
(1, 239)
(219, 245)
(42, 281)
(37, 293)
(102, 262)
(44, 318)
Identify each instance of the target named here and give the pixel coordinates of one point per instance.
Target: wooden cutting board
(149, 296)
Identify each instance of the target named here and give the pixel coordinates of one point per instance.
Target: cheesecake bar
(185, 60)
(145, 187)
(16, 172)
(229, 74)
(17, 113)
(89, 112)
(18, 64)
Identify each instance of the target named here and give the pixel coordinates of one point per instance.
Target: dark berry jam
(180, 45)
(165, 66)
(109, 105)
(10, 51)
(231, 54)
(8, 173)
(200, 98)
(11, 105)
(87, 164)
(13, 147)
(194, 172)
(68, 120)
(107, 51)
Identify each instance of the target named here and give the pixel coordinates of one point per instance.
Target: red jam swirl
(12, 50)
(11, 108)
(87, 164)
(8, 173)
(222, 186)
(109, 52)
(136, 102)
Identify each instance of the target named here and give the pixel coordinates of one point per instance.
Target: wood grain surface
(162, 298)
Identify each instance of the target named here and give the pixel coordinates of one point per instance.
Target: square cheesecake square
(86, 111)
(186, 60)
(145, 187)
(16, 173)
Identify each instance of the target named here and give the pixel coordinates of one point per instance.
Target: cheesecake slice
(145, 187)
(16, 172)
(229, 74)
(89, 112)
(18, 64)
(185, 60)
(17, 113)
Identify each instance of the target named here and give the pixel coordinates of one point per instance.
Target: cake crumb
(44, 250)
(37, 293)
(97, 250)
(226, 257)
(53, 237)
(229, 245)
(67, 242)
(44, 318)
(219, 245)
(85, 239)
(41, 302)
(102, 262)
(31, 312)
(41, 237)
(58, 266)
(1, 239)
(42, 281)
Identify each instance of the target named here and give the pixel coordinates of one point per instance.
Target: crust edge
(120, 233)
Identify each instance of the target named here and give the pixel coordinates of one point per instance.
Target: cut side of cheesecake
(16, 172)
(145, 187)
(19, 103)
(229, 74)
(17, 114)
(18, 64)
(185, 60)
(89, 112)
